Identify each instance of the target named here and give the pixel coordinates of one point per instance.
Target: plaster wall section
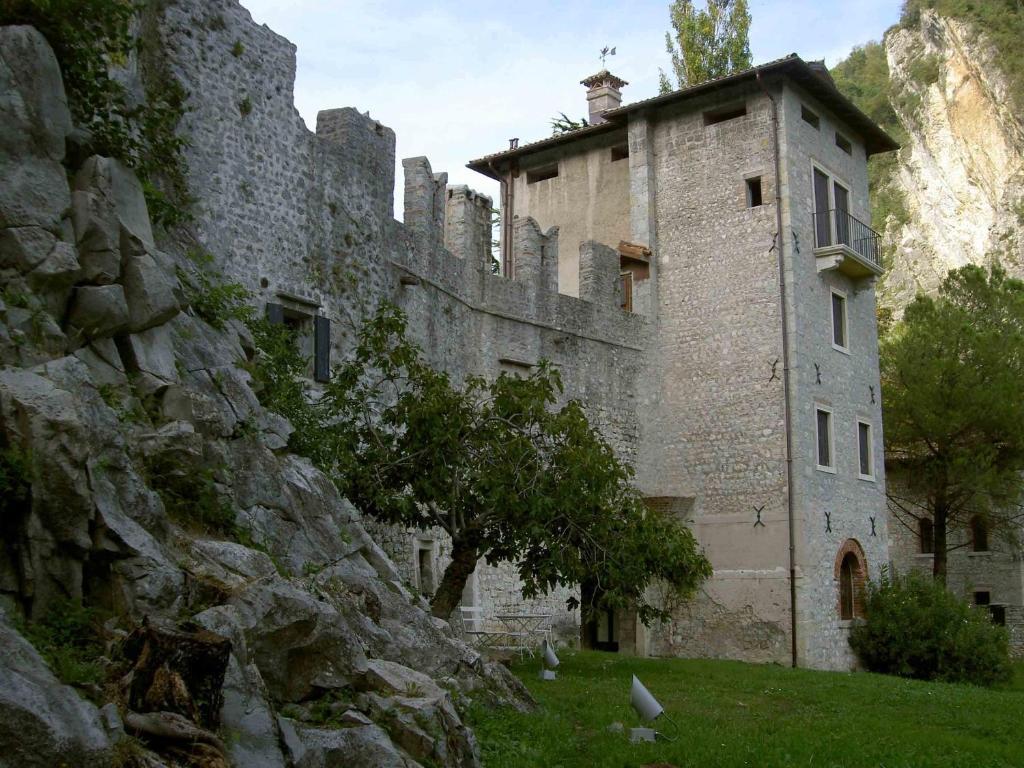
(712, 428)
(587, 200)
(835, 506)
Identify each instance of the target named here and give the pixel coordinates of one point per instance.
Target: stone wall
(847, 382)
(713, 413)
(307, 218)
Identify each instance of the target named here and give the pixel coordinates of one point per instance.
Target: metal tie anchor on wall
(872, 526)
(774, 376)
(817, 373)
(759, 510)
(828, 522)
(872, 388)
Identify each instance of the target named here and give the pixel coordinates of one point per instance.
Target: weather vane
(605, 53)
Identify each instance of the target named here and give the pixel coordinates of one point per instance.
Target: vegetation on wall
(952, 374)
(705, 44)
(90, 39)
(564, 124)
(916, 628)
(508, 474)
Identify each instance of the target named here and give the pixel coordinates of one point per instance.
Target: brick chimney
(603, 94)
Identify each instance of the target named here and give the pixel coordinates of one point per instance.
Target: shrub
(191, 495)
(69, 638)
(213, 299)
(916, 628)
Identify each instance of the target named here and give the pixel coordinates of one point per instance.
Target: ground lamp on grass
(548, 662)
(648, 708)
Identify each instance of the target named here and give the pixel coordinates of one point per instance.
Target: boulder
(115, 188)
(152, 352)
(301, 645)
(43, 723)
(98, 236)
(98, 311)
(23, 248)
(55, 276)
(367, 746)
(150, 292)
(248, 717)
(34, 193)
(34, 116)
(393, 678)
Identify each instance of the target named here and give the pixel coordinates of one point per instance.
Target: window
(626, 291)
(926, 533)
(983, 598)
(312, 334)
(754, 192)
(621, 152)
(851, 574)
(823, 417)
(542, 174)
(979, 534)
(809, 117)
(839, 320)
(425, 566)
(847, 586)
(865, 451)
(831, 211)
(844, 144)
(727, 113)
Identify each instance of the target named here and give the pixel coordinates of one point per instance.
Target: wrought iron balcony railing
(838, 227)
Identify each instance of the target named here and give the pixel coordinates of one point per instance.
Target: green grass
(734, 714)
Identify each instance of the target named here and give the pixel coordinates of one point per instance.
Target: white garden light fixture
(548, 662)
(648, 708)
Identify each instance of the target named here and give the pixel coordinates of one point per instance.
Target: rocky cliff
(238, 613)
(954, 194)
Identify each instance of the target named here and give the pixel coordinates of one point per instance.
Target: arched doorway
(850, 576)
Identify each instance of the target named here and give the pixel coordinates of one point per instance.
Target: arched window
(846, 586)
(851, 573)
(926, 533)
(979, 534)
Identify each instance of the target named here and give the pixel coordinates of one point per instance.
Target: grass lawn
(734, 714)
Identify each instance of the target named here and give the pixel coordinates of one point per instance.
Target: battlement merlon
(468, 229)
(364, 151)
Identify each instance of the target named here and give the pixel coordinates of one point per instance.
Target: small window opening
(811, 118)
(620, 152)
(425, 569)
(844, 144)
(721, 115)
(998, 614)
(754, 192)
(979, 534)
(541, 174)
(865, 450)
(838, 320)
(983, 598)
(824, 428)
(626, 291)
(926, 532)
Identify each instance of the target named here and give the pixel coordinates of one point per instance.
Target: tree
(953, 384)
(706, 43)
(496, 465)
(565, 124)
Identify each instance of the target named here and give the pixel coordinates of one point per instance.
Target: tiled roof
(876, 140)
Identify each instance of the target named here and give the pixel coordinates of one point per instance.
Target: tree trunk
(939, 528)
(465, 553)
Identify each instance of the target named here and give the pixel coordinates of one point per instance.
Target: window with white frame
(824, 444)
(865, 451)
(839, 340)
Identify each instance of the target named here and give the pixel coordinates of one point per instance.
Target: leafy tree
(507, 474)
(706, 43)
(953, 381)
(564, 124)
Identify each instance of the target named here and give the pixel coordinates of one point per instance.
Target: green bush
(68, 636)
(190, 495)
(210, 296)
(916, 628)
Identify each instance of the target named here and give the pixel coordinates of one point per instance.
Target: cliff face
(954, 194)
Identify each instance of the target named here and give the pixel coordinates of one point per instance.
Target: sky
(457, 80)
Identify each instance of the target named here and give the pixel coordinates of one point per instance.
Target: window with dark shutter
(824, 429)
(321, 349)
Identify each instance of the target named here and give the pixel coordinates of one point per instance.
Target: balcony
(846, 244)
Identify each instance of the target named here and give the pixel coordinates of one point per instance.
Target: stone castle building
(695, 264)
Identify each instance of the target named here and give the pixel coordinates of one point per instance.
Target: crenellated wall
(305, 219)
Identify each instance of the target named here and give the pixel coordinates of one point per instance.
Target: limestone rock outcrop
(960, 173)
